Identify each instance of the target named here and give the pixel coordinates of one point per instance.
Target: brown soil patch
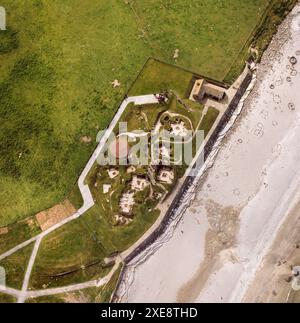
(79, 297)
(50, 217)
(224, 224)
(3, 230)
(86, 139)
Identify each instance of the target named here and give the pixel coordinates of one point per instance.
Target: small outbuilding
(203, 89)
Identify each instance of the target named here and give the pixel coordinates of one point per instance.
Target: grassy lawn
(134, 115)
(157, 76)
(6, 299)
(18, 233)
(51, 299)
(75, 197)
(83, 296)
(194, 111)
(15, 267)
(89, 295)
(262, 33)
(71, 253)
(74, 252)
(106, 293)
(55, 80)
(210, 35)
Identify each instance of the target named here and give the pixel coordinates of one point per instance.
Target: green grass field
(15, 267)
(6, 299)
(75, 252)
(57, 62)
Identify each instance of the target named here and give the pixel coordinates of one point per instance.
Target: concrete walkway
(10, 291)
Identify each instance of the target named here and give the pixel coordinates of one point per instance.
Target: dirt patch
(3, 230)
(86, 139)
(31, 222)
(79, 297)
(46, 219)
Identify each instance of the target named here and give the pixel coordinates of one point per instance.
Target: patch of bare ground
(3, 230)
(220, 239)
(48, 218)
(272, 282)
(86, 139)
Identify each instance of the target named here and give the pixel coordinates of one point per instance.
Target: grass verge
(15, 267)
(6, 299)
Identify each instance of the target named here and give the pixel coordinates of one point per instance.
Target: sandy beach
(224, 241)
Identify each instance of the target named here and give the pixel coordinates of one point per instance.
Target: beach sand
(252, 189)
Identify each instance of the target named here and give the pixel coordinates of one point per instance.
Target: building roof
(196, 89)
(202, 88)
(214, 91)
